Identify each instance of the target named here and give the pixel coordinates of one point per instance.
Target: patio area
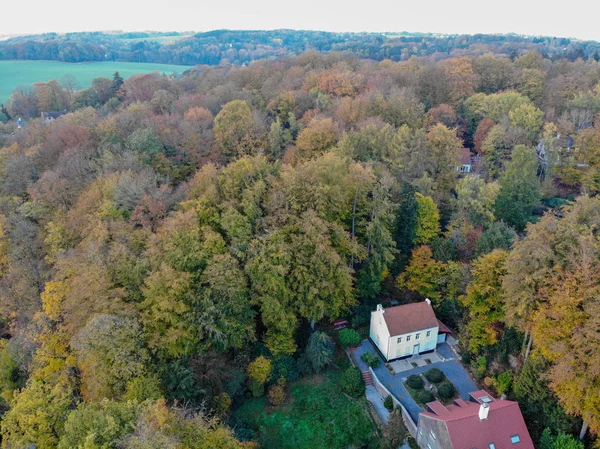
(452, 368)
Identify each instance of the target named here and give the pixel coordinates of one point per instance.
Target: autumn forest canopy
(173, 248)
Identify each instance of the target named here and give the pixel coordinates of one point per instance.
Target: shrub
(394, 432)
(412, 443)
(222, 404)
(277, 395)
(425, 396)
(466, 358)
(349, 337)
(434, 375)
(446, 390)
(504, 382)
(371, 359)
(480, 367)
(352, 382)
(388, 403)
(260, 369)
(319, 350)
(256, 388)
(415, 382)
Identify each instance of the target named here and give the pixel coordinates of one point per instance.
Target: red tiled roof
(465, 156)
(443, 328)
(409, 318)
(467, 431)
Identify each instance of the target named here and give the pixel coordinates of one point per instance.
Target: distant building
(464, 161)
(402, 331)
(49, 117)
(482, 422)
(20, 123)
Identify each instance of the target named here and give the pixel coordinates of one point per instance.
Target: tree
(259, 372)
(234, 129)
(498, 235)
(405, 225)
(110, 352)
(319, 350)
(428, 220)
(97, 425)
(529, 118)
(318, 136)
(475, 199)
(424, 274)
(394, 431)
(493, 149)
(520, 189)
(484, 300)
(38, 415)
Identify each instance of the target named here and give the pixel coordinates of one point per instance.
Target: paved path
(451, 368)
(375, 398)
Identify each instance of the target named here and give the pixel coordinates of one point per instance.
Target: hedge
(446, 390)
(434, 375)
(415, 382)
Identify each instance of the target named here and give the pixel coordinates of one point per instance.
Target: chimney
(484, 410)
(428, 301)
(380, 308)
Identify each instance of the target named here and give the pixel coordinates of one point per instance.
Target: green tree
(475, 199)
(110, 352)
(520, 189)
(38, 415)
(484, 300)
(498, 235)
(424, 274)
(234, 129)
(319, 350)
(428, 220)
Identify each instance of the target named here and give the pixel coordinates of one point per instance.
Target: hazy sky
(577, 18)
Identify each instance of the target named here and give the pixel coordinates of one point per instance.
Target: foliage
(394, 431)
(498, 235)
(319, 350)
(424, 396)
(277, 395)
(504, 382)
(319, 413)
(371, 359)
(560, 441)
(434, 375)
(428, 220)
(446, 390)
(415, 381)
(519, 189)
(352, 382)
(349, 338)
(388, 403)
(480, 366)
(260, 370)
(423, 274)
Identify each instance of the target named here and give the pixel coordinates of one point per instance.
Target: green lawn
(17, 73)
(316, 416)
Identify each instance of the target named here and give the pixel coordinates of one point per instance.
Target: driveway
(451, 368)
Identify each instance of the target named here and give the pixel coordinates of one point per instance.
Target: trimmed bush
(434, 375)
(352, 382)
(415, 382)
(349, 337)
(371, 359)
(425, 396)
(504, 382)
(388, 403)
(412, 443)
(446, 390)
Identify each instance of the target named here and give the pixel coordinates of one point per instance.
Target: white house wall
(406, 347)
(379, 332)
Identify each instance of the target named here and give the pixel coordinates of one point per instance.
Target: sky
(577, 18)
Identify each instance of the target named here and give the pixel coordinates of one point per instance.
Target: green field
(16, 73)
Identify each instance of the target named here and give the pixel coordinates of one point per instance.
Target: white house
(403, 331)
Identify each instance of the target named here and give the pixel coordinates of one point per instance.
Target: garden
(430, 386)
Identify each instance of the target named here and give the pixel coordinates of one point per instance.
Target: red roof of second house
(465, 156)
(467, 431)
(409, 318)
(443, 328)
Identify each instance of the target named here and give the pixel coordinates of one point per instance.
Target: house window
(432, 435)
(515, 439)
(417, 336)
(399, 339)
(428, 446)
(408, 338)
(428, 334)
(492, 446)
(421, 432)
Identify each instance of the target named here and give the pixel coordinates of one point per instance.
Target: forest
(224, 47)
(174, 250)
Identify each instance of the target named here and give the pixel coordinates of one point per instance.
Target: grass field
(16, 73)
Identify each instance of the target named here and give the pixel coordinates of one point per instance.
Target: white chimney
(428, 301)
(380, 308)
(484, 410)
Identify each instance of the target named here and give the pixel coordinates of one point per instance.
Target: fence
(410, 424)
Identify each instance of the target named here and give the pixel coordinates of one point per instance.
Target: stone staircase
(367, 377)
